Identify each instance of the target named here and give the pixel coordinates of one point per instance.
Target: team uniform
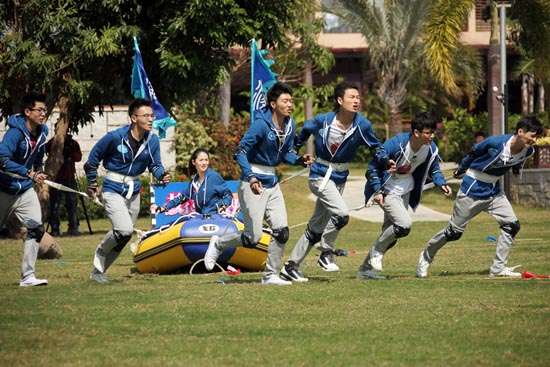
(335, 148)
(401, 190)
(261, 149)
(209, 196)
(21, 152)
(125, 159)
(480, 191)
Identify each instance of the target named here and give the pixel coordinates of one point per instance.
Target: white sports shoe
(32, 281)
(212, 253)
(275, 280)
(292, 273)
(376, 259)
(422, 267)
(327, 263)
(506, 272)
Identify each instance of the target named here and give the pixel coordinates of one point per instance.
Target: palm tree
(403, 35)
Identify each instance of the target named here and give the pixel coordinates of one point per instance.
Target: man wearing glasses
(21, 155)
(125, 152)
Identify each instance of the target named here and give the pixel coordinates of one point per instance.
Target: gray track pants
(122, 213)
(27, 209)
(466, 208)
(329, 204)
(269, 205)
(396, 219)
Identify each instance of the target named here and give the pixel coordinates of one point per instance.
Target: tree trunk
(531, 92)
(55, 156)
(524, 95)
(308, 104)
(493, 74)
(224, 97)
(395, 125)
(541, 105)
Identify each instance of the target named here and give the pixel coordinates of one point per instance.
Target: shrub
(227, 139)
(459, 133)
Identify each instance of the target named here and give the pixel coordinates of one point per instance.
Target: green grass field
(456, 317)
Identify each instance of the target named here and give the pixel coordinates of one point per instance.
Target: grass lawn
(457, 317)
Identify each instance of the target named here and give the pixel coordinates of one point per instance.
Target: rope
(202, 260)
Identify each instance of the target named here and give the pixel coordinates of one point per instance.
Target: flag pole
(252, 53)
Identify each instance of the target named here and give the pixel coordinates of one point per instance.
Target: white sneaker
(327, 263)
(422, 266)
(376, 259)
(292, 273)
(275, 280)
(506, 272)
(32, 281)
(212, 253)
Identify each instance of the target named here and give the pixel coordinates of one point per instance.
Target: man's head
(423, 126)
(528, 129)
(34, 108)
(347, 97)
(141, 114)
(480, 136)
(279, 99)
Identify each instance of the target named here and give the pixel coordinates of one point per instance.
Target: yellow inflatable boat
(182, 244)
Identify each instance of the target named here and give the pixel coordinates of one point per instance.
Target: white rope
(202, 260)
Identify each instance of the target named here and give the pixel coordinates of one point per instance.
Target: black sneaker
(327, 263)
(291, 272)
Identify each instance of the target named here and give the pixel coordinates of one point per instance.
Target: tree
(532, 18)
(79, 52)
(403, 36)
(69, 51)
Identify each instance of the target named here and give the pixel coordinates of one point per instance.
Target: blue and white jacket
(377, 174)
(18, 157)
(116, 153)
(260, 145)
(360, 133)
(485, 157)
(213, 193)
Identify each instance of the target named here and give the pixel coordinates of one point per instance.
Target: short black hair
(480, 133)
(137, 104)
(530, 124)
(30, 100)
(340, 91)
(276, 90)
(423, 120)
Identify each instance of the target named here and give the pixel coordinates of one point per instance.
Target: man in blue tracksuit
(21, 155)
(337, 136)
(125, 152)
(269, 141)
(416, 157)
(480, 191)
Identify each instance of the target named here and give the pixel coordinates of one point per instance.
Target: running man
(480, 191)
(337, 136)
(126, 153)
(269, 141)
(417, 159)
(21, 154)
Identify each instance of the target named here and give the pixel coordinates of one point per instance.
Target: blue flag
(261, 78)
(142, 88)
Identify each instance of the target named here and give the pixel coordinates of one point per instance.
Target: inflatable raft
(183, 243)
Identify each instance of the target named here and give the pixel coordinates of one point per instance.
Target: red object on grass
(231, 271)
(529, 275)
